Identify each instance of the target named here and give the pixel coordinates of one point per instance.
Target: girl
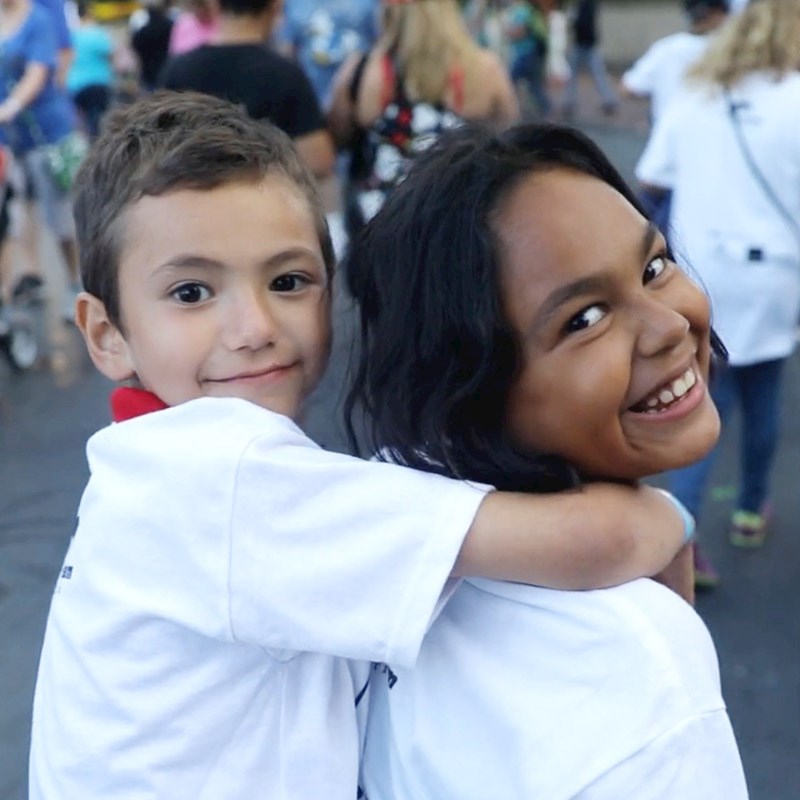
(524, 325)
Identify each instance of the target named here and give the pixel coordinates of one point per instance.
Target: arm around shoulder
(601, 535)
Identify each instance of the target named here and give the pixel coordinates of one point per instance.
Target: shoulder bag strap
(733, 114)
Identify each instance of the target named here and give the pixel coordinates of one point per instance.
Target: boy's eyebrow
(591, 283)
(192, 260)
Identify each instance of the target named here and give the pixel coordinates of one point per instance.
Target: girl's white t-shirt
(521, 692)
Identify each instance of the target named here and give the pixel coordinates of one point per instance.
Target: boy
(226, 573)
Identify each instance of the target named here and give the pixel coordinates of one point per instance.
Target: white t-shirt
(659, 73)
(721, 215)
(224, 570)
(521, 692)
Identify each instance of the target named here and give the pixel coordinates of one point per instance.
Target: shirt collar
(127, 403)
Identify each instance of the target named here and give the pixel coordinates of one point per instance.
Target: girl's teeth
(678, 388)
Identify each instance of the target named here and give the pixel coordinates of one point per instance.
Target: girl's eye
(191, 293)
(654, 268)
(290, 282)
(590, 315)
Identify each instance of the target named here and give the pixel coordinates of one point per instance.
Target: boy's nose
(249, 321)
(662, 329)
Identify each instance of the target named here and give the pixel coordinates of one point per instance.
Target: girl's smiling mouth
(674, 398)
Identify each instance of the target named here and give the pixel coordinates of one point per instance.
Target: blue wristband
(689, 527)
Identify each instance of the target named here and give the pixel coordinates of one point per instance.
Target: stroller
(19, 339)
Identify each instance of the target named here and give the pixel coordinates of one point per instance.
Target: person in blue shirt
(91, 74)
(321, 34)
(35, 112)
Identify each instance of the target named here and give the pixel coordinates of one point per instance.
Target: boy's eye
(190, 293)
(290, 282)
(590, 315)
(654, 268)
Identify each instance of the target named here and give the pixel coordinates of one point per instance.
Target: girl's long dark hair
(437, 357)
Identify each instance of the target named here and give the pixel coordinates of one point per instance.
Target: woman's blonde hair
(765, 37)
(427, 39)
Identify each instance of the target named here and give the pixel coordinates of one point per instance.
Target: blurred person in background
(35, 112)
(196, 24)
(527, 34)
(424, 74)
(585, 56)
(728, 148)
(658, 75)
(240, 67)
(91, 73)
(322, 34)
(150, 31)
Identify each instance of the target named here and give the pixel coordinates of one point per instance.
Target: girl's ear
(106, 345)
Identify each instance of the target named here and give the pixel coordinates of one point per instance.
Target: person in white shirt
(728, 150)
(658, 74)
(228, 579)
(524, 324)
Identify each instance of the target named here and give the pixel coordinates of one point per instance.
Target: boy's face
(614, 338)
(223, 293)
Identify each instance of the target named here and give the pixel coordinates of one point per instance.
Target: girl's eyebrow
(590, 284)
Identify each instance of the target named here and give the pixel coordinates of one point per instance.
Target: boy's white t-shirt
(225, 582)
(521, 692)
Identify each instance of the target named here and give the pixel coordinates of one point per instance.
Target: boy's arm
(598, 536)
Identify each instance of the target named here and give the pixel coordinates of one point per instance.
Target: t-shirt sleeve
(58, 22)
(40, 40)
(299, 113)
(339, 555)
(172, 74)
(696, 760)
(640, 78)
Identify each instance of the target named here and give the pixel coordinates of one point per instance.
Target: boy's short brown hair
(162, 143)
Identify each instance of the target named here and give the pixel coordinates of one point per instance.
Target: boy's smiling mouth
(667, 395)
(272, 372)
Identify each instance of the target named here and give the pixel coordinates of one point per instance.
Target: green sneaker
(748, 529)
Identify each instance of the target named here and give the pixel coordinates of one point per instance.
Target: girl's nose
(662, 328)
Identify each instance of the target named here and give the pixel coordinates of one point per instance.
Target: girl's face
(614, 338)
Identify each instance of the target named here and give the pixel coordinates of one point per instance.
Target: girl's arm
(600, 535)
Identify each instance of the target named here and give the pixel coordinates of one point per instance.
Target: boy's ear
(104, 341)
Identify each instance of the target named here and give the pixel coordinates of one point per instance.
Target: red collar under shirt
(127, 403)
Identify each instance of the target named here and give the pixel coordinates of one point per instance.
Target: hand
(679, 575)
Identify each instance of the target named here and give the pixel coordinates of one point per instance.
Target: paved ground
(47, 415)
